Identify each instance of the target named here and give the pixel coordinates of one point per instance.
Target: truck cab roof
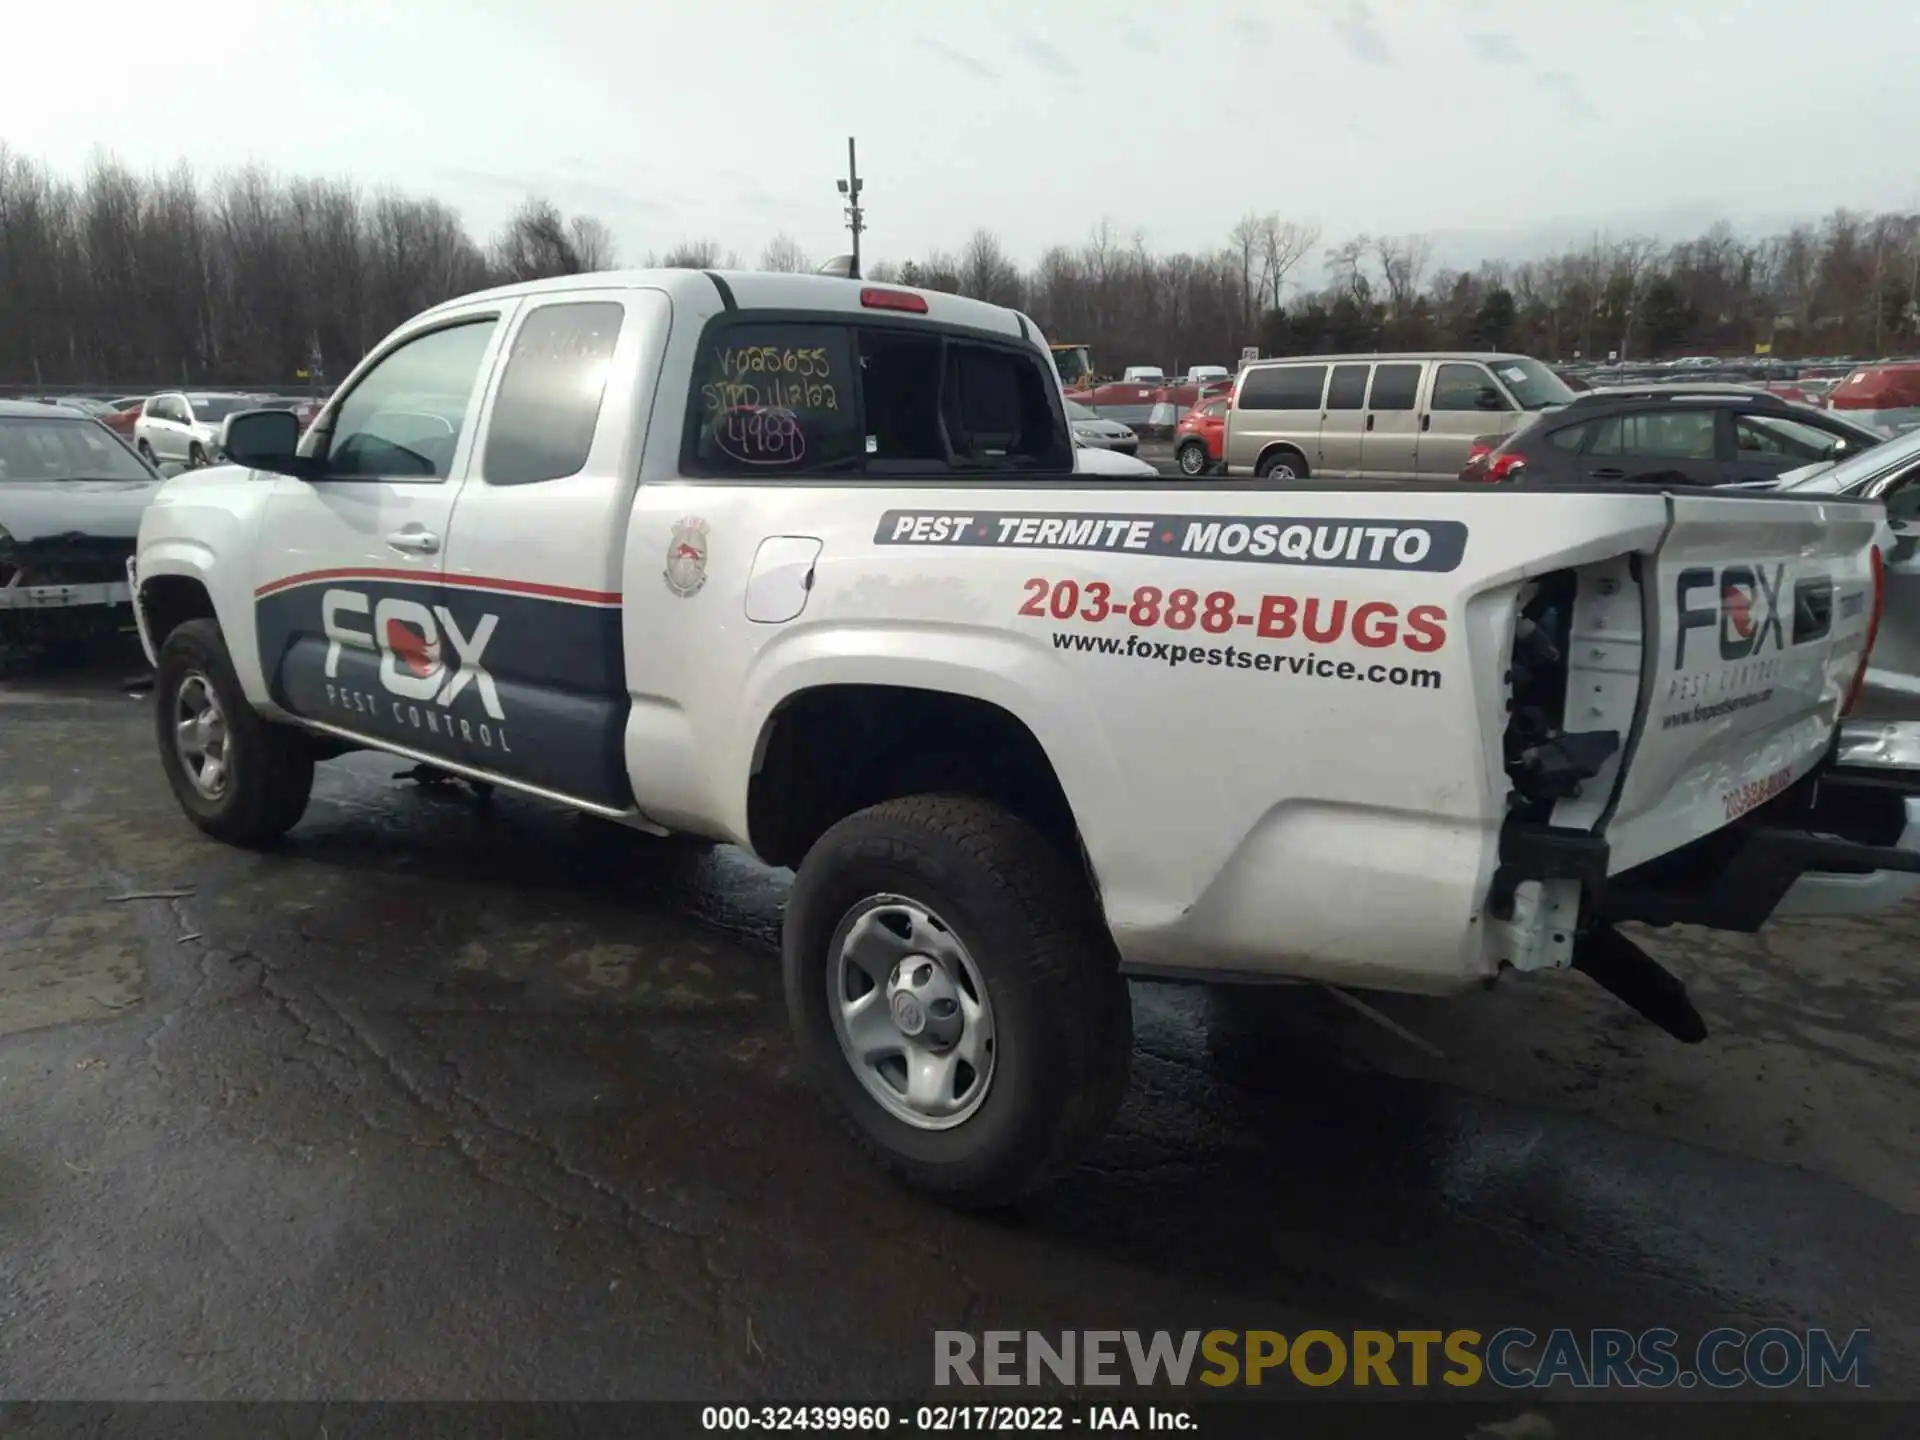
(760, 290)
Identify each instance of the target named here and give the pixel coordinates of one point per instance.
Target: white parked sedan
(1096, 432)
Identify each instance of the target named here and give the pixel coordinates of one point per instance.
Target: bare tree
(539, 241)
(1635, 259)
(986, 273)
(1244, 242)
(593, 244)
(783, 254)
(692, 255)
(1283, 245)
(1403, 263)
(1347, 263)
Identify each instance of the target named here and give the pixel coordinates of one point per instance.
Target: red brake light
(1481, 449)
(893, 300)
(1506, 466)
(1873, 632)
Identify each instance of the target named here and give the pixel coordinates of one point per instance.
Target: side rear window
(1283, 387)
(1348, 388)
(1567, 438)
(1394, 387)
(1657, 435)
(548, 404)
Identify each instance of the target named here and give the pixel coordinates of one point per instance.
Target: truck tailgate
(1758, 610)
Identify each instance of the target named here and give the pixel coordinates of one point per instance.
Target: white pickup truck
(804, 565)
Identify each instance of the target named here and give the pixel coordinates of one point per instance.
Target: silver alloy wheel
(1280, 470)
(1193, 458)
(200, 735)
(911, 1012)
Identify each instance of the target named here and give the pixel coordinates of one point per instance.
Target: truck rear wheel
(239, 778)
(953, 986)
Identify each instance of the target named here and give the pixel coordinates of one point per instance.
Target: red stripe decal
(447, 581)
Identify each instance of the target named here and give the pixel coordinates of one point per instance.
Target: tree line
(249, 278)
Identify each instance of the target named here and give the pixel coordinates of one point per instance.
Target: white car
(1096, 432)
(1889, 473)
(185, 425)
(701, 552)
(1091, 460)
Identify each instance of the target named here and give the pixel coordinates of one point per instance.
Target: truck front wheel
(238, 777)
(954, 988)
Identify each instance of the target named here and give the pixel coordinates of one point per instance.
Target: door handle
(1369, 420)
(1609, 473)
(1425, 421)
(419, 542)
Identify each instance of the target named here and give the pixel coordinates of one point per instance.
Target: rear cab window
(779, 398)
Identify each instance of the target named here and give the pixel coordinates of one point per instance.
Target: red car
(126, 410)
(1200, 439)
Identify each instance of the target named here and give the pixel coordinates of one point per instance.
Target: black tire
(1191, 457)
(146, 453)
(1283, 465)
(196, 456)
(1063, 1021)
(270, 766)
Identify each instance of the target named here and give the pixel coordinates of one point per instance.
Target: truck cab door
(353, 624)
(539, 535)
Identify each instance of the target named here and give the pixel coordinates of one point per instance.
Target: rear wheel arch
(830, 751)
(1282, 450)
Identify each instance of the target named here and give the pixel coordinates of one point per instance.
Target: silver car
(1096, 432)
(185, 425)
(1889, 473)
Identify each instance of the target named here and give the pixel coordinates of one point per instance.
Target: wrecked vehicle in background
(71, 496)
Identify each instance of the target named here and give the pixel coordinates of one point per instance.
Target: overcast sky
(1495, 122)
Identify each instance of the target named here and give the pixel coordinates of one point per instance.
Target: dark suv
(1668, 435)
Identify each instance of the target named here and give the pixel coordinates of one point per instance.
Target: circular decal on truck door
(687, 557)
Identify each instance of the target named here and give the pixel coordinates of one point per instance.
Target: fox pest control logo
(687, 557)
(426, 663)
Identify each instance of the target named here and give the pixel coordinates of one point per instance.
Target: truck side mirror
(263, 440)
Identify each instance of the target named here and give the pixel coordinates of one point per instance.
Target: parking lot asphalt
(457, 1100)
